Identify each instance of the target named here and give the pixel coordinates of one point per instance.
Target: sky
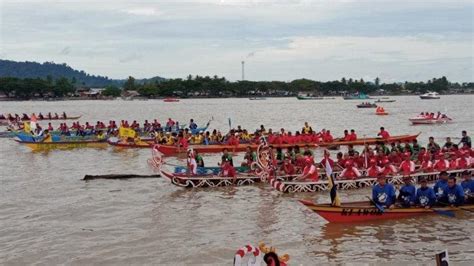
(278, 40)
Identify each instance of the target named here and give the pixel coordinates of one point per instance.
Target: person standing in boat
(306, 128)
(465, 140)
(441, 185)
(383, 193)
(425, 195)
(453, 195)
(383, 133)
(407, 195)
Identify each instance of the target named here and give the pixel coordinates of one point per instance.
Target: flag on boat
(26, 127)
(335, 201)
(127, 132)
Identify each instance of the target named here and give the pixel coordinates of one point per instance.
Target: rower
(327, 137)
(226, 157)
(425, 196)
(47, 136)
(468, 186)
(50, 127)
(350, 172)
(373, 170)
(407, 166)
(407, 195)
(346, 135)
(441, 164)
(426, 164)
(249, 157)
(432, 146)
(383, 193)
(227, 169)
(310, 171)
(463, 161)
(307, 151)
(353, 135)
(441, 185)
(191, 162)
(448, 145)
(383, 133)
(453, 195)
(388, 168)
(288, 168)
(306, 129)
(465, 140)
(199, 159)
(64, 115)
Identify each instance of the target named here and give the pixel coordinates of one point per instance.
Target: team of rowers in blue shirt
(445, 192)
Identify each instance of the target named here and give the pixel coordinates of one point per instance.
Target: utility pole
(243, 70)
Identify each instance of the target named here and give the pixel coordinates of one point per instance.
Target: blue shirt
(407, 195)
(425, 196)
(453, 195)
(439, 187)
(384, 195)
(468, 187)
(193, 125)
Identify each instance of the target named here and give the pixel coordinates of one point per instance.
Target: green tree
(129, 84)
(112, 90)
(62, 87)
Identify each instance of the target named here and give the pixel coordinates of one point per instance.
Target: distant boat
(357, 96)
(257, 98)
(384, 101)
(430, 96)
(367, 105)
(170, 100)
(309, 97)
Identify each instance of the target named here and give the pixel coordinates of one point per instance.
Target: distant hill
(27, 69)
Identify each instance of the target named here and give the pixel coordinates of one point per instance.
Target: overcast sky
(279, 40)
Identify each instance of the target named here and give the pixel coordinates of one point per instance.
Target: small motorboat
(424, 120)
(170, 100)
(384, 101)
(430, 96)
(367, 105)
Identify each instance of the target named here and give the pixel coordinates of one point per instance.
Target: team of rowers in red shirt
(371, 162)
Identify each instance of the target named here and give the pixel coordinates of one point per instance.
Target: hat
(423, 179)
(309, 159)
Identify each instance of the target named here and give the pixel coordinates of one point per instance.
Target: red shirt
(352, 136)
(407, 167)
(384, 134)
(312, 171)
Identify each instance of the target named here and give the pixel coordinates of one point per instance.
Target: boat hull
(355, 212)
(171, 150)
(424, 121)
(65, 145)
(211, 180)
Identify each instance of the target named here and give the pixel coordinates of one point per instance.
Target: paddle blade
(445, 213)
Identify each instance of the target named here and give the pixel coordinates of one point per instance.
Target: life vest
(389, 170)
(373, 171)
(350, 173)
(312, 171)
(441, 165)
(407, 167)
(427, 166)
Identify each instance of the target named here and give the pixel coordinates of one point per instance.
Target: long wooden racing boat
(352, 212)
(216, 148)
(64, 145)
(346, 184)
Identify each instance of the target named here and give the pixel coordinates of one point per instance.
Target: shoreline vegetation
(12, 88)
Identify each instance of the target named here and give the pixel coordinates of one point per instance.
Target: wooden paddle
(378, 206)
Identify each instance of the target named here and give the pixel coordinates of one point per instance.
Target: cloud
(143, 11)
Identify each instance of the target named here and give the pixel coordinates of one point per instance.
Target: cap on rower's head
(423, 180)
(443, 173)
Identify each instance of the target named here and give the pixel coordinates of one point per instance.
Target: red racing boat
(216, 148)
(363, 211)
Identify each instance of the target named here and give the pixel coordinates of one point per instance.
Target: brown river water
(48, 215)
